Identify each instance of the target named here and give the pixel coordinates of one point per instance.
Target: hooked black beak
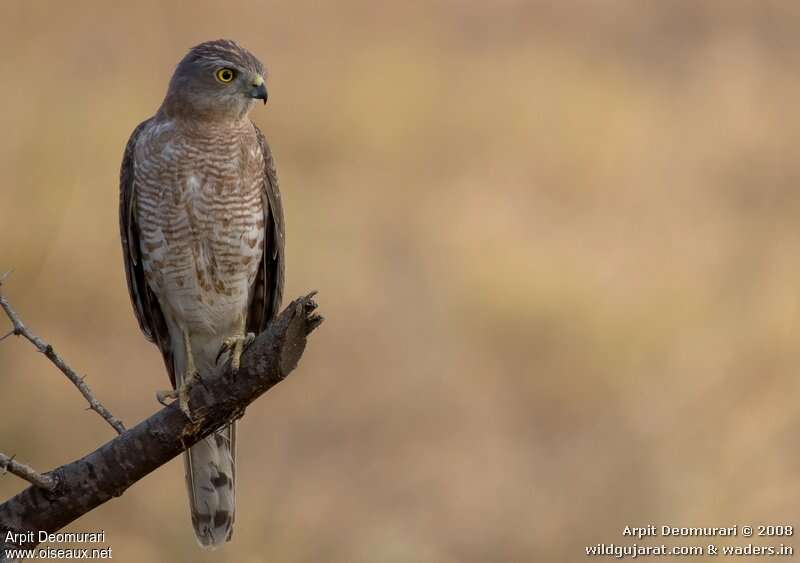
(259, 92)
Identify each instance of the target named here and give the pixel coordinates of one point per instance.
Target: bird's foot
(236, 345)
(181, 394)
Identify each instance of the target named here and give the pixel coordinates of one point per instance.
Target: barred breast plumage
(200, 214)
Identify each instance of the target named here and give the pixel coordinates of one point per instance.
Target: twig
(21, 330)
(26, 472)
(107, 472)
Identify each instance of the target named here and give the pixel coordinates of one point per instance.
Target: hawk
(202, 231)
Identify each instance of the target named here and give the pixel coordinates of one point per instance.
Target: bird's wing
(267, 290)
(145, 304)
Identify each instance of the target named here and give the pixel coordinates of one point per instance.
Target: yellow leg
(189, 376)
(236, 344)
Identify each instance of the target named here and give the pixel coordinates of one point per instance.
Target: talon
(199, 379)
(181, 394)
(233, 343)
(222, 350)
(236, 344)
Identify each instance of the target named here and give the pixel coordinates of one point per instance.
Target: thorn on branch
(21, 330)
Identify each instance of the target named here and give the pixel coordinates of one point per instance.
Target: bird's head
(216, 80)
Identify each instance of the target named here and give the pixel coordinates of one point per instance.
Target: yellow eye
(225, 75)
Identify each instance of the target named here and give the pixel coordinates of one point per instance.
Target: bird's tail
(211, 484)
(210, 464)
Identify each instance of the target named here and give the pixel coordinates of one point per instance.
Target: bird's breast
(199, 209)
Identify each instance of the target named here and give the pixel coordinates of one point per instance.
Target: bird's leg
(189, 376)
(236, 344)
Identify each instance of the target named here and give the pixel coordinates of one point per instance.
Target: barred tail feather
(211, 463)
(210, 482)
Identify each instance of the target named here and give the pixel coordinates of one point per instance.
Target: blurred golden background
(557, 246)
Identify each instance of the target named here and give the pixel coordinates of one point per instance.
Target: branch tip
(5, 275)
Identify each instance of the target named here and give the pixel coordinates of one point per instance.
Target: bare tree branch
(26, 472)
(21, 330)
(214, 402)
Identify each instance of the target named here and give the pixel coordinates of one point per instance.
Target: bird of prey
(202, 231)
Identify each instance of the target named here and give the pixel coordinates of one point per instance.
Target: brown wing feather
(267, 290)
(145, 304)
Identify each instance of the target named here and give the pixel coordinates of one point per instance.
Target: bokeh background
(557, 246)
